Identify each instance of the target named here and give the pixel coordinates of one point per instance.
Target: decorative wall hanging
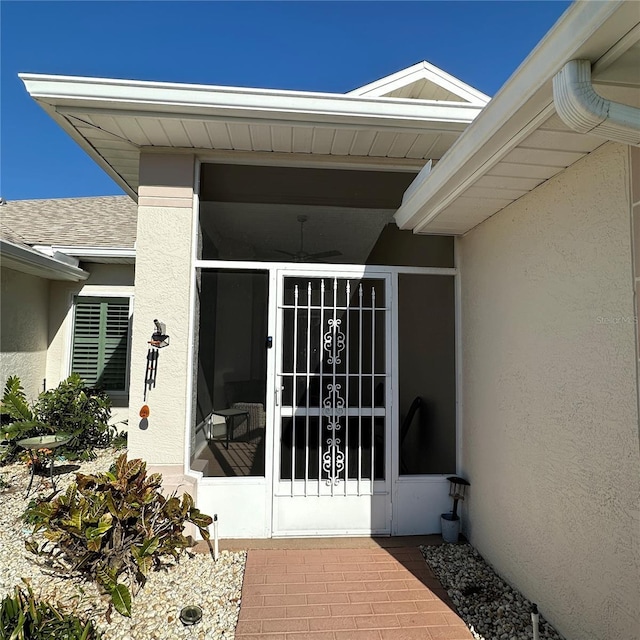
(159, 340)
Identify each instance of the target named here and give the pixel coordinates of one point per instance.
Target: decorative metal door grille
(333, 373)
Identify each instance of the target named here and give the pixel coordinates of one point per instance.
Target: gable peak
(422, 81)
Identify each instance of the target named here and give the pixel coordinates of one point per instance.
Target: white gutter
(520, 106)
(27, 260)
(170, 99)
(97, 252)
(56, 254)
(584, 111)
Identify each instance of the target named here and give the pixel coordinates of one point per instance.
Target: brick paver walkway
(344, 594)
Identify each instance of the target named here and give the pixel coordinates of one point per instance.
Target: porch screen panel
(333, 373)
(230, 421)
(426, 361)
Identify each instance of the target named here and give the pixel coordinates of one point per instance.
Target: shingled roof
(105, 221)
(10, 235)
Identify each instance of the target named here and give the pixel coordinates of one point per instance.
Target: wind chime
(159, 339)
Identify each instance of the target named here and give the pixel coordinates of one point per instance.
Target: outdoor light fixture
(190, 615)
(457, 487)
(450, 522)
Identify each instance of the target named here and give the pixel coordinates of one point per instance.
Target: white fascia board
(96, 252)
(30, 261)
(586, 29)
(260, 104)
(421, 71)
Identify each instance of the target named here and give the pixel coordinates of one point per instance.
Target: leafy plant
(24, 617)
(19, 419)
(120, 439)
(14, 402)
(113, 527)
(71, 408)
(79, 411)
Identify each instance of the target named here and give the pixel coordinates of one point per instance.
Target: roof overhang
(102, 255)
(28, 260)
(518, 141)
(114, 120)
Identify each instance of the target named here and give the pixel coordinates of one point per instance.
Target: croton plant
(114, 528)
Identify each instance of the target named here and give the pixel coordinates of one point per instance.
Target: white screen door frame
(332, 449)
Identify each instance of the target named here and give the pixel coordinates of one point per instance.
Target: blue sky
(315, 46)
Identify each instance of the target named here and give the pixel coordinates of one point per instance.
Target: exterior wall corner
(550, 391)
(162, 286)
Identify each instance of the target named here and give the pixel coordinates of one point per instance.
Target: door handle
(278, 390)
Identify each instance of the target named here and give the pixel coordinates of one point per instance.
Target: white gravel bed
(491, 608)
(213, 586)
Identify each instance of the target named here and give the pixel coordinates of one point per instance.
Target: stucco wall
(635, 199)
(550, 421)
(162, 284)
(24, 312)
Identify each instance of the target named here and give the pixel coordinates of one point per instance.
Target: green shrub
(71, 408)
(24, 617)
(80, 411)
(19, 420)
(120, 440)
(114, 528)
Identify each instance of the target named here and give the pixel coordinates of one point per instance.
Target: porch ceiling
(519, 141)
(114, 120)
(239, 229)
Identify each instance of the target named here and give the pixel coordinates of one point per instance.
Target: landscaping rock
(213, 586)
(491, 609)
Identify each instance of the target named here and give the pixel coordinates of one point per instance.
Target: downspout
(583, 110)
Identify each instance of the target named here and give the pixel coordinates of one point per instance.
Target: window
(100, 342)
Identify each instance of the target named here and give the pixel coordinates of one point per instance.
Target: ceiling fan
(301, 255)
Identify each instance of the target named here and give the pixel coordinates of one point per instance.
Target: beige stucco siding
(635, 199)
(163, 283)
(550, 418)
(23, 329)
